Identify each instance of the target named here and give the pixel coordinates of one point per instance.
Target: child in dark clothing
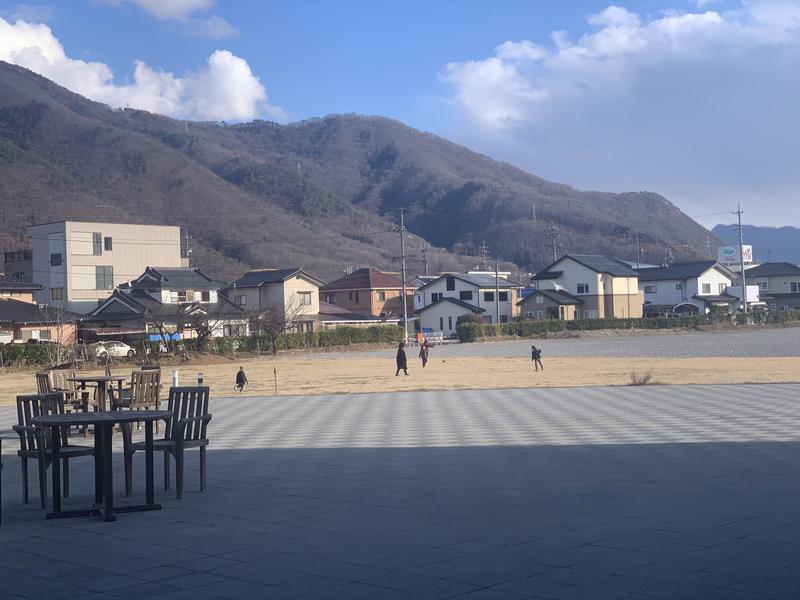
(241, 380)
(536, 357)
(402, 363)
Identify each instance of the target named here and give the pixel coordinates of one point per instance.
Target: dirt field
(357, 374)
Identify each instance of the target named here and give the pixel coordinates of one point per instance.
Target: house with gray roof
(778, 283)
(606, 288)
(22, 319)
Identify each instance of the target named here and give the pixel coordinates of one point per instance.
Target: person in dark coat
(536, 357)
(241, 380)
(402, 363)
(423, 352)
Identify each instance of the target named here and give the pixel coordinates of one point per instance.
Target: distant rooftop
(364, 279)
(259, 277)
(681, 270)
(773, 269)
(172, 278)
(11, 284)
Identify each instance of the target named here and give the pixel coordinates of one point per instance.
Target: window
(97, 244)
(205, 296)
(381, 296)
(706, 288)
(436, 296)
(104, 278)
(181, 296)
(504, 318)
(763, 286)
(488, 296)
(590, 314)
(503, 296)
(330, 298)
(450, 284)
(539, 299)
(540, 314)
(108, 243)
(352, 296)
(450, 323)
(56, 259)
(56, 293)
(528, 314)
(678, 286)
(465, 296)
(241, 300)
(722, 287)
(441, 323)
(305, 298)
(794, 286)
(583, 288)
(650, 289)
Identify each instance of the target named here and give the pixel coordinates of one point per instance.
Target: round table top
(96, 378)
(101, 418)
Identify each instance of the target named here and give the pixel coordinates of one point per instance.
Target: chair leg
(178, 473)
(43, 484)
(128, 474)
(166, 470)
(24, 469)
(66, 477)
(202, 468)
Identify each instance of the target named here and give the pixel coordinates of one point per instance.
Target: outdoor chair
(57, 380)
(143, 393)
(186, 428)
(36, 443)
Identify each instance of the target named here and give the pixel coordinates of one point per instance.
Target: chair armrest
(182, 423)
(23, 429)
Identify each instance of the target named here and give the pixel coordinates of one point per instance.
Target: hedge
(24, 354)
(470, 332)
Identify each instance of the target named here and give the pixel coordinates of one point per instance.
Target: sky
(698, 100)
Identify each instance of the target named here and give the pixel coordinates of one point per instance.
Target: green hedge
(23, 354)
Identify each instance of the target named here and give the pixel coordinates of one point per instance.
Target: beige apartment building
(79, 263)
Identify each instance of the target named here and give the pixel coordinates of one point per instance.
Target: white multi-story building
(78, 264)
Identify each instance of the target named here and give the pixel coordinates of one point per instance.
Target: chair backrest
(184, 403)
(145, 386)
(44, 385)
(38, 405)
(59, 379)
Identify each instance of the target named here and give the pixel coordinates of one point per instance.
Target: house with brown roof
(369, 291)
(21, 319)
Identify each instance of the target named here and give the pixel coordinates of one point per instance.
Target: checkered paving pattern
(679, 492)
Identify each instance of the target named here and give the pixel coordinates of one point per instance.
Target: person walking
(241, 380)
(536, 357)
(423, 352)
(402, 363)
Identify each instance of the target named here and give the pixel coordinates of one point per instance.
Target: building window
(441, 323)
(241, 300)
(465, 296)
(678, 286)
(330, 298)
(503, 296)
(18, 276)
(650, 289)
(706, 288)
(540, 314)
(104, 278)
(794, 286)
(97, 244)
(539, 299)
(488, 296)
(56, 260)
(504, 318)
(205, 296)
(381, 296)
(583, 288)
(436, 296)
(450, 284)
(305, 298)
(763, 286)
(108, 243)
(56, 293)
(528, 314)
(722, 287)
(590, 314)
(182, 297)
(450, 323)
(353, 296)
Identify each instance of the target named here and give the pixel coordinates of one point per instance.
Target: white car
(115, 350)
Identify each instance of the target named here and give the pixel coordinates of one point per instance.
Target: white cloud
(28, 12)
(224, 89)
(211, 27)
(166, 10)
(699, 105)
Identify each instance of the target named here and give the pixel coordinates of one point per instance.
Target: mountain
(769, 243)
(321, 193)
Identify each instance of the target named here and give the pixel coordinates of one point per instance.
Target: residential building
(18, 265)
(688, 288)
(454, 295)
(21, 319)
(607, 288)
(177, 300)
(79, 264)
(371, 292)
(778, 284)
(292, 290)
(550, 304)
(332, 316)
(417, 282)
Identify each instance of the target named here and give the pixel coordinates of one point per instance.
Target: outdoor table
(102, 382)
(103, 472)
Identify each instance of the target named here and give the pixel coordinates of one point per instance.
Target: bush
(24, 354)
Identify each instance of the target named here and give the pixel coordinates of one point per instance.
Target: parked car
(114, 350)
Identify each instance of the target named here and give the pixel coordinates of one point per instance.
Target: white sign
(729, 255)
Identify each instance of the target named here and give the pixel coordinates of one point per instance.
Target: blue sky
(693, 99)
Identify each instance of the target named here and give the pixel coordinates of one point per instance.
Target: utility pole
(636, 241)
(424, 249)
(552, 231)
(533, 211)
(496, 290)
(738, 212)
(483, 250)
(403, 272)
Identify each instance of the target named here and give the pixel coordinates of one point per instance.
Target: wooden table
(103, 468)
(102, 382)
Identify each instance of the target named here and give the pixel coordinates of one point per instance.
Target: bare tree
(58, 318)
(273, 321)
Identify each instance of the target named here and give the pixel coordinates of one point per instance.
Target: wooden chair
(143, 393)
(186, 428)
(35, 443)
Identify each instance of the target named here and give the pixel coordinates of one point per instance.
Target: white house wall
(507, 308)
(447, 312)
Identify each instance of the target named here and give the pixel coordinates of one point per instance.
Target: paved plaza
(586, 493)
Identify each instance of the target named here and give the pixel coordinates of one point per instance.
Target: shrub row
(23, 354)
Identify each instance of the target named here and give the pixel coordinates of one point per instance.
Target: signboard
(729, 255)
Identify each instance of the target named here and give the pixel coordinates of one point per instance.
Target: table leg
(149, 474)
(101, 395)
(55, 434)
(108, 474)
(98, 466)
